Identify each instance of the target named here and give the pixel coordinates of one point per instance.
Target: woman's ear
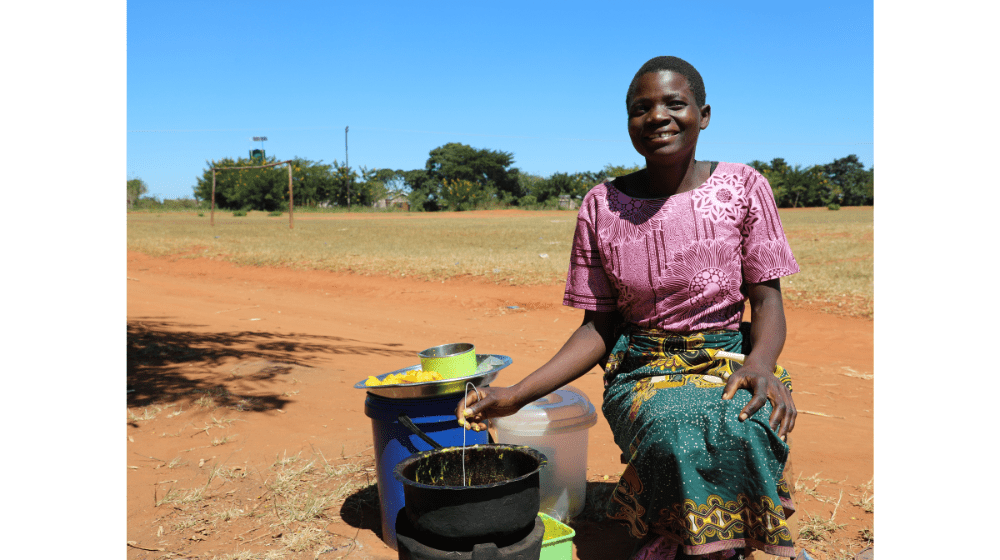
(706, 115)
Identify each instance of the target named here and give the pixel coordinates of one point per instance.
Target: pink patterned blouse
(677, 264)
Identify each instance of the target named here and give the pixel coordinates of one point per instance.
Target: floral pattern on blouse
(679, 263)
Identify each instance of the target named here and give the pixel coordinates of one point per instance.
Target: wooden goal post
(291, 205)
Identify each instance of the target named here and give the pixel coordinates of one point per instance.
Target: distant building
(398, 201)
(567, 201)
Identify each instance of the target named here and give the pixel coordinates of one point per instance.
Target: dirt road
(276, 352)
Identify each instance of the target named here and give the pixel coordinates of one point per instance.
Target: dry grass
(816, 528)
(175, 496)
(813, 489)
(835, 250)
(148, 413)
(503, 249)
(836, 255)
(222, 441)
(279, 513)
(865, 501)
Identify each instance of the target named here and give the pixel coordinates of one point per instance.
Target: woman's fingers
(466, 410)
(764, 389)
(473, 410)
(788, 420)
(755, 404)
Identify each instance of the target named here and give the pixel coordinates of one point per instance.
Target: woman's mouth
(659, 135)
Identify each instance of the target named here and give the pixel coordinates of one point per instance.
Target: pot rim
(450, 350)
(397, 471)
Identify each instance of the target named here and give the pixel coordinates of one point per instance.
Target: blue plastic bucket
(393, 442)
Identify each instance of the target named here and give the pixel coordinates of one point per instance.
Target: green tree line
(459, 177)
(314, 183)
(844, 182)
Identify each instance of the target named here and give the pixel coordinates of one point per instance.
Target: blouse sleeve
(587, 285)
(765, 250)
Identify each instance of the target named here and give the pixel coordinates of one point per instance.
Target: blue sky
(545, 81)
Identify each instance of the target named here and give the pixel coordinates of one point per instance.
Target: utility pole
(348, 165)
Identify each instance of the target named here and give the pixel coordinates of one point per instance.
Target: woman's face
(664, 119)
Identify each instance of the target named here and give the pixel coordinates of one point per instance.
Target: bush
(274, 213)
(239, 213)
(833, 206)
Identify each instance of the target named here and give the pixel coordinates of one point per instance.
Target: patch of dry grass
(177, 496)
(503, 249)
(835, 250)
(148, 413)
(836, 255)
(812, 490)
(223, 440)
(865, 501)
(278, 513)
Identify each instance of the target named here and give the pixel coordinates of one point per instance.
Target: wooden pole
(291, 203)
(347, 164)
(212, 219)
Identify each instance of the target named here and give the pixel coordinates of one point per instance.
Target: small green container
(450, 360)
(557, 544)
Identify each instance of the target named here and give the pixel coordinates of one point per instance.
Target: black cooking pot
(498, 502)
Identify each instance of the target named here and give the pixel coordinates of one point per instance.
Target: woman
(662, 262)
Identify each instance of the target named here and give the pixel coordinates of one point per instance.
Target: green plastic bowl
(557, 544)
(450, 360)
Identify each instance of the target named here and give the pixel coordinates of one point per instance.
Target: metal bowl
(487, 368)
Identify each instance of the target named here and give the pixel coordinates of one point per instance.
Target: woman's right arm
(585, 348)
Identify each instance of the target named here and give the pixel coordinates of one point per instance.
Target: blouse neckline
(715, 168)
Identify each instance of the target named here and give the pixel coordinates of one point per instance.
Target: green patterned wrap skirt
(695, 473)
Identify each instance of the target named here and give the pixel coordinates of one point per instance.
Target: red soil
(267, 333)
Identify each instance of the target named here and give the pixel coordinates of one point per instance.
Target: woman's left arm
(767, 332)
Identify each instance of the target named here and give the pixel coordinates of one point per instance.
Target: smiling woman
(663, 261)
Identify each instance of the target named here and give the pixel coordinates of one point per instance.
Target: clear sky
(545, 81)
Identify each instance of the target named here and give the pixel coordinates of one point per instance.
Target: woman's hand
(765, 387)
(472, 411)
(767, 333)
(585, 348)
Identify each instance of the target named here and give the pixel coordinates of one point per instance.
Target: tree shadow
(161, 355)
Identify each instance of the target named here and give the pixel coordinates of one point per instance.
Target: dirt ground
(233, 369)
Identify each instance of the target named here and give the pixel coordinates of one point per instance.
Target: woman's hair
(671, 64)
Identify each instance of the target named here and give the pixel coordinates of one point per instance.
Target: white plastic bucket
(556, 425)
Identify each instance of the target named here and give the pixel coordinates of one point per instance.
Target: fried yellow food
(414, 376)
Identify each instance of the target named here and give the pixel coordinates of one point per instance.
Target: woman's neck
(668, 180)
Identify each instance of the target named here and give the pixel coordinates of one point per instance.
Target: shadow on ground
(361, 510)
(162, 356)
(597, 536)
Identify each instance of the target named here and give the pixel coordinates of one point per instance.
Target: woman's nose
(658, 112)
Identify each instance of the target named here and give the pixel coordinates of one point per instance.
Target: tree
(489, 169)
(854, 185)
(244, 189)
(557, 185)
(135, 188)
(423, 195)
(611, 171)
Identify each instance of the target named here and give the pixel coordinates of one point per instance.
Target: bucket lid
(563, 410)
